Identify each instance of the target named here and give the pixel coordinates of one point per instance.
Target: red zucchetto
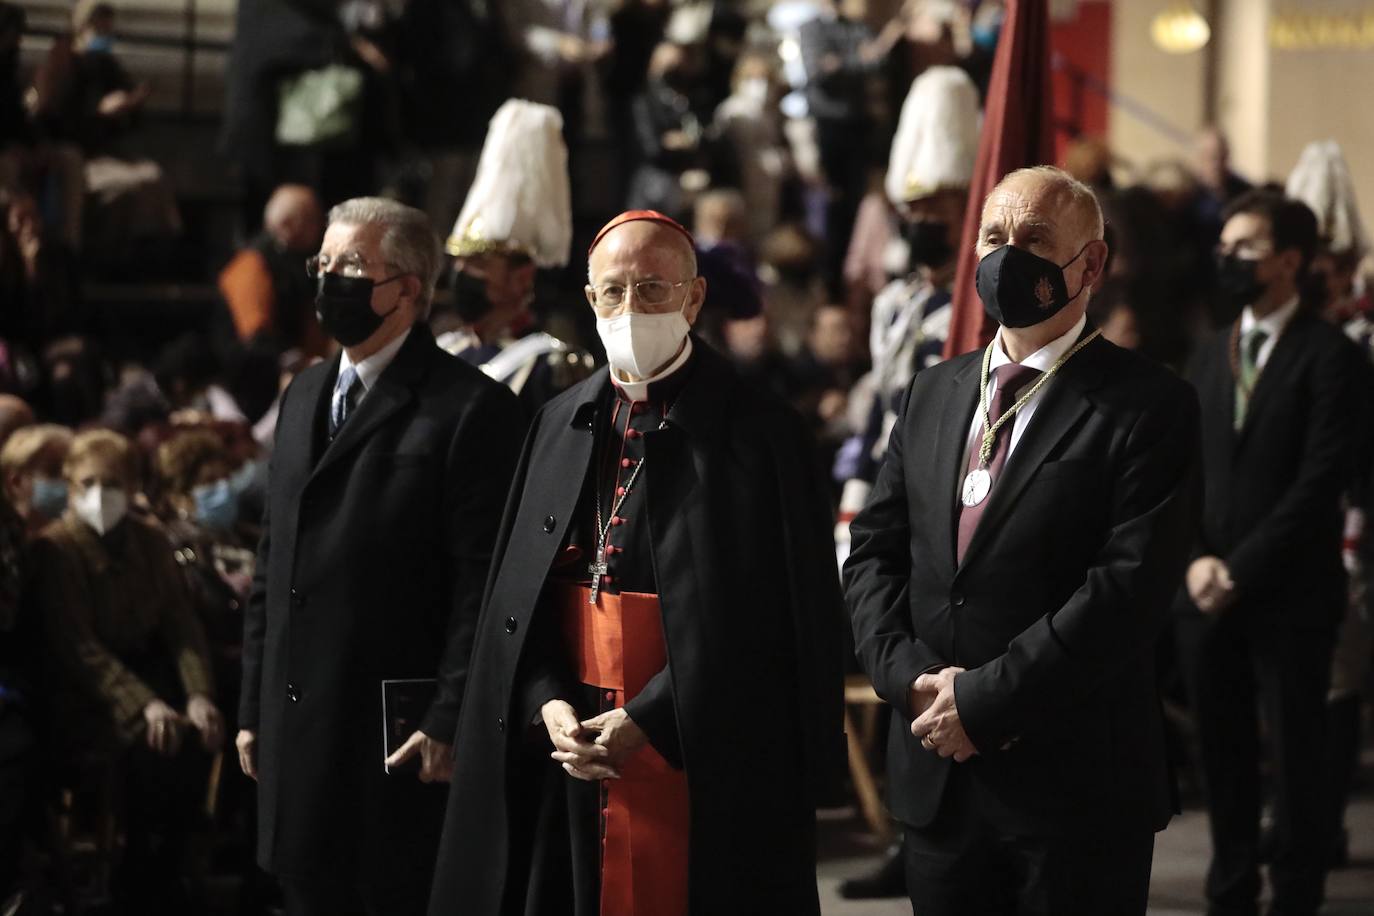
(630, 216)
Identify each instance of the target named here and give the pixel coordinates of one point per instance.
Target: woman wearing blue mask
(31, 466)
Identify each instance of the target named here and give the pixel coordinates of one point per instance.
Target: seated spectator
(667, 133)
(793, 289)
(18, 743)
(132, 684)
(749, 343)
(271, 299)
(14, 414)
(749, 126)
(74, 381)
(31, 464)
(824, 371)
(183, 386)
(15, 130)
(38, 276)
(87, 99)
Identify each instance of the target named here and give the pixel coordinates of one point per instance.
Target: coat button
(297, 599)
(957, 599)
(511, 624)
(291, 693)
(550, 523)
(500, 724)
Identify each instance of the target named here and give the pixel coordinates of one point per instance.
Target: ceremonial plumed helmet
(1322, 180)
(520, 201)
(937, 136)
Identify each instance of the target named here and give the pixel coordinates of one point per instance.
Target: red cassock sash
(617, 645)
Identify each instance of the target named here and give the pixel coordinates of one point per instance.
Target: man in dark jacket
(1282, 412)
(391, 465)
(665, 557)
(1009, 575)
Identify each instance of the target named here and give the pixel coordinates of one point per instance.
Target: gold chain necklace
(978, 483)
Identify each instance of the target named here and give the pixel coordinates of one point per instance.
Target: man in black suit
(391, 467)
(1006, 589)
(1280, 415)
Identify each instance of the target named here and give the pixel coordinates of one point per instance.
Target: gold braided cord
(990, 428)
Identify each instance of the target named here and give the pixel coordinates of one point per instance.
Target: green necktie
(1250, 347)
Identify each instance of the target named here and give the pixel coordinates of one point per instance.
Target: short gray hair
(408, 240)
(1083, 199)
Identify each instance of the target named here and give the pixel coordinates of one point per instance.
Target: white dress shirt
(1041, 359)
(371, 368)
(1272, 324)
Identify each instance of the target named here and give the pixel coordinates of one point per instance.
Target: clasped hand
(1210, 585)
(593, 749)
(937, 721)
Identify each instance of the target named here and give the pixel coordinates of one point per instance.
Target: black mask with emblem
(470, 299)
(1020, 289)
(927, 244)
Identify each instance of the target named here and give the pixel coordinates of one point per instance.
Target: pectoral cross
(597, 569)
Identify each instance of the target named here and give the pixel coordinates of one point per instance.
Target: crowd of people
(172, 711)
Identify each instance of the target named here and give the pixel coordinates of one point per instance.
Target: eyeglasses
(349, 265)
(609, 297)
(1247, 249)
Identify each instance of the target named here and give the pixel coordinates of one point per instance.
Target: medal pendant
(976, 487)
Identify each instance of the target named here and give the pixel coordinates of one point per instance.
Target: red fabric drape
(1018, 130)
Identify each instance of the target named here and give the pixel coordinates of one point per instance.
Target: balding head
(646, 250)
(294, 218)
(1051, 214)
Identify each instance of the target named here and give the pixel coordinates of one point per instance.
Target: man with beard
(517, 218)
(655, 701)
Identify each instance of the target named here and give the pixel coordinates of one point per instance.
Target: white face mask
(101, 507)
(639, 345)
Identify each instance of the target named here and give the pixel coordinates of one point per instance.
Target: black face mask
(1237, 285)
(470, 299)
(344, 307)
(1020, 289)
(928, 244)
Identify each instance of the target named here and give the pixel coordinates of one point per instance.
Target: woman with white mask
(130, 669)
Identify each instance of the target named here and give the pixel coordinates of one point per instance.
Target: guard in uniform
(927, 182)
(517, 219)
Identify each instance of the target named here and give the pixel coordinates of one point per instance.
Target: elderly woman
(132, 673)
(31, 465)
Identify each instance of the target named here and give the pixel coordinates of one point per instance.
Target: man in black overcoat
(392, 463)
(668, 485)
(1283, 403)
(1007, 583)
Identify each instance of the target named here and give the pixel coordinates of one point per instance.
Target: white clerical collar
(371, 368)
(1044, 358)
(1272, 324)
(639, 391)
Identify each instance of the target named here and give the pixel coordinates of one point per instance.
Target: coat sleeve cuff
(440, 723)
(893, 682)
